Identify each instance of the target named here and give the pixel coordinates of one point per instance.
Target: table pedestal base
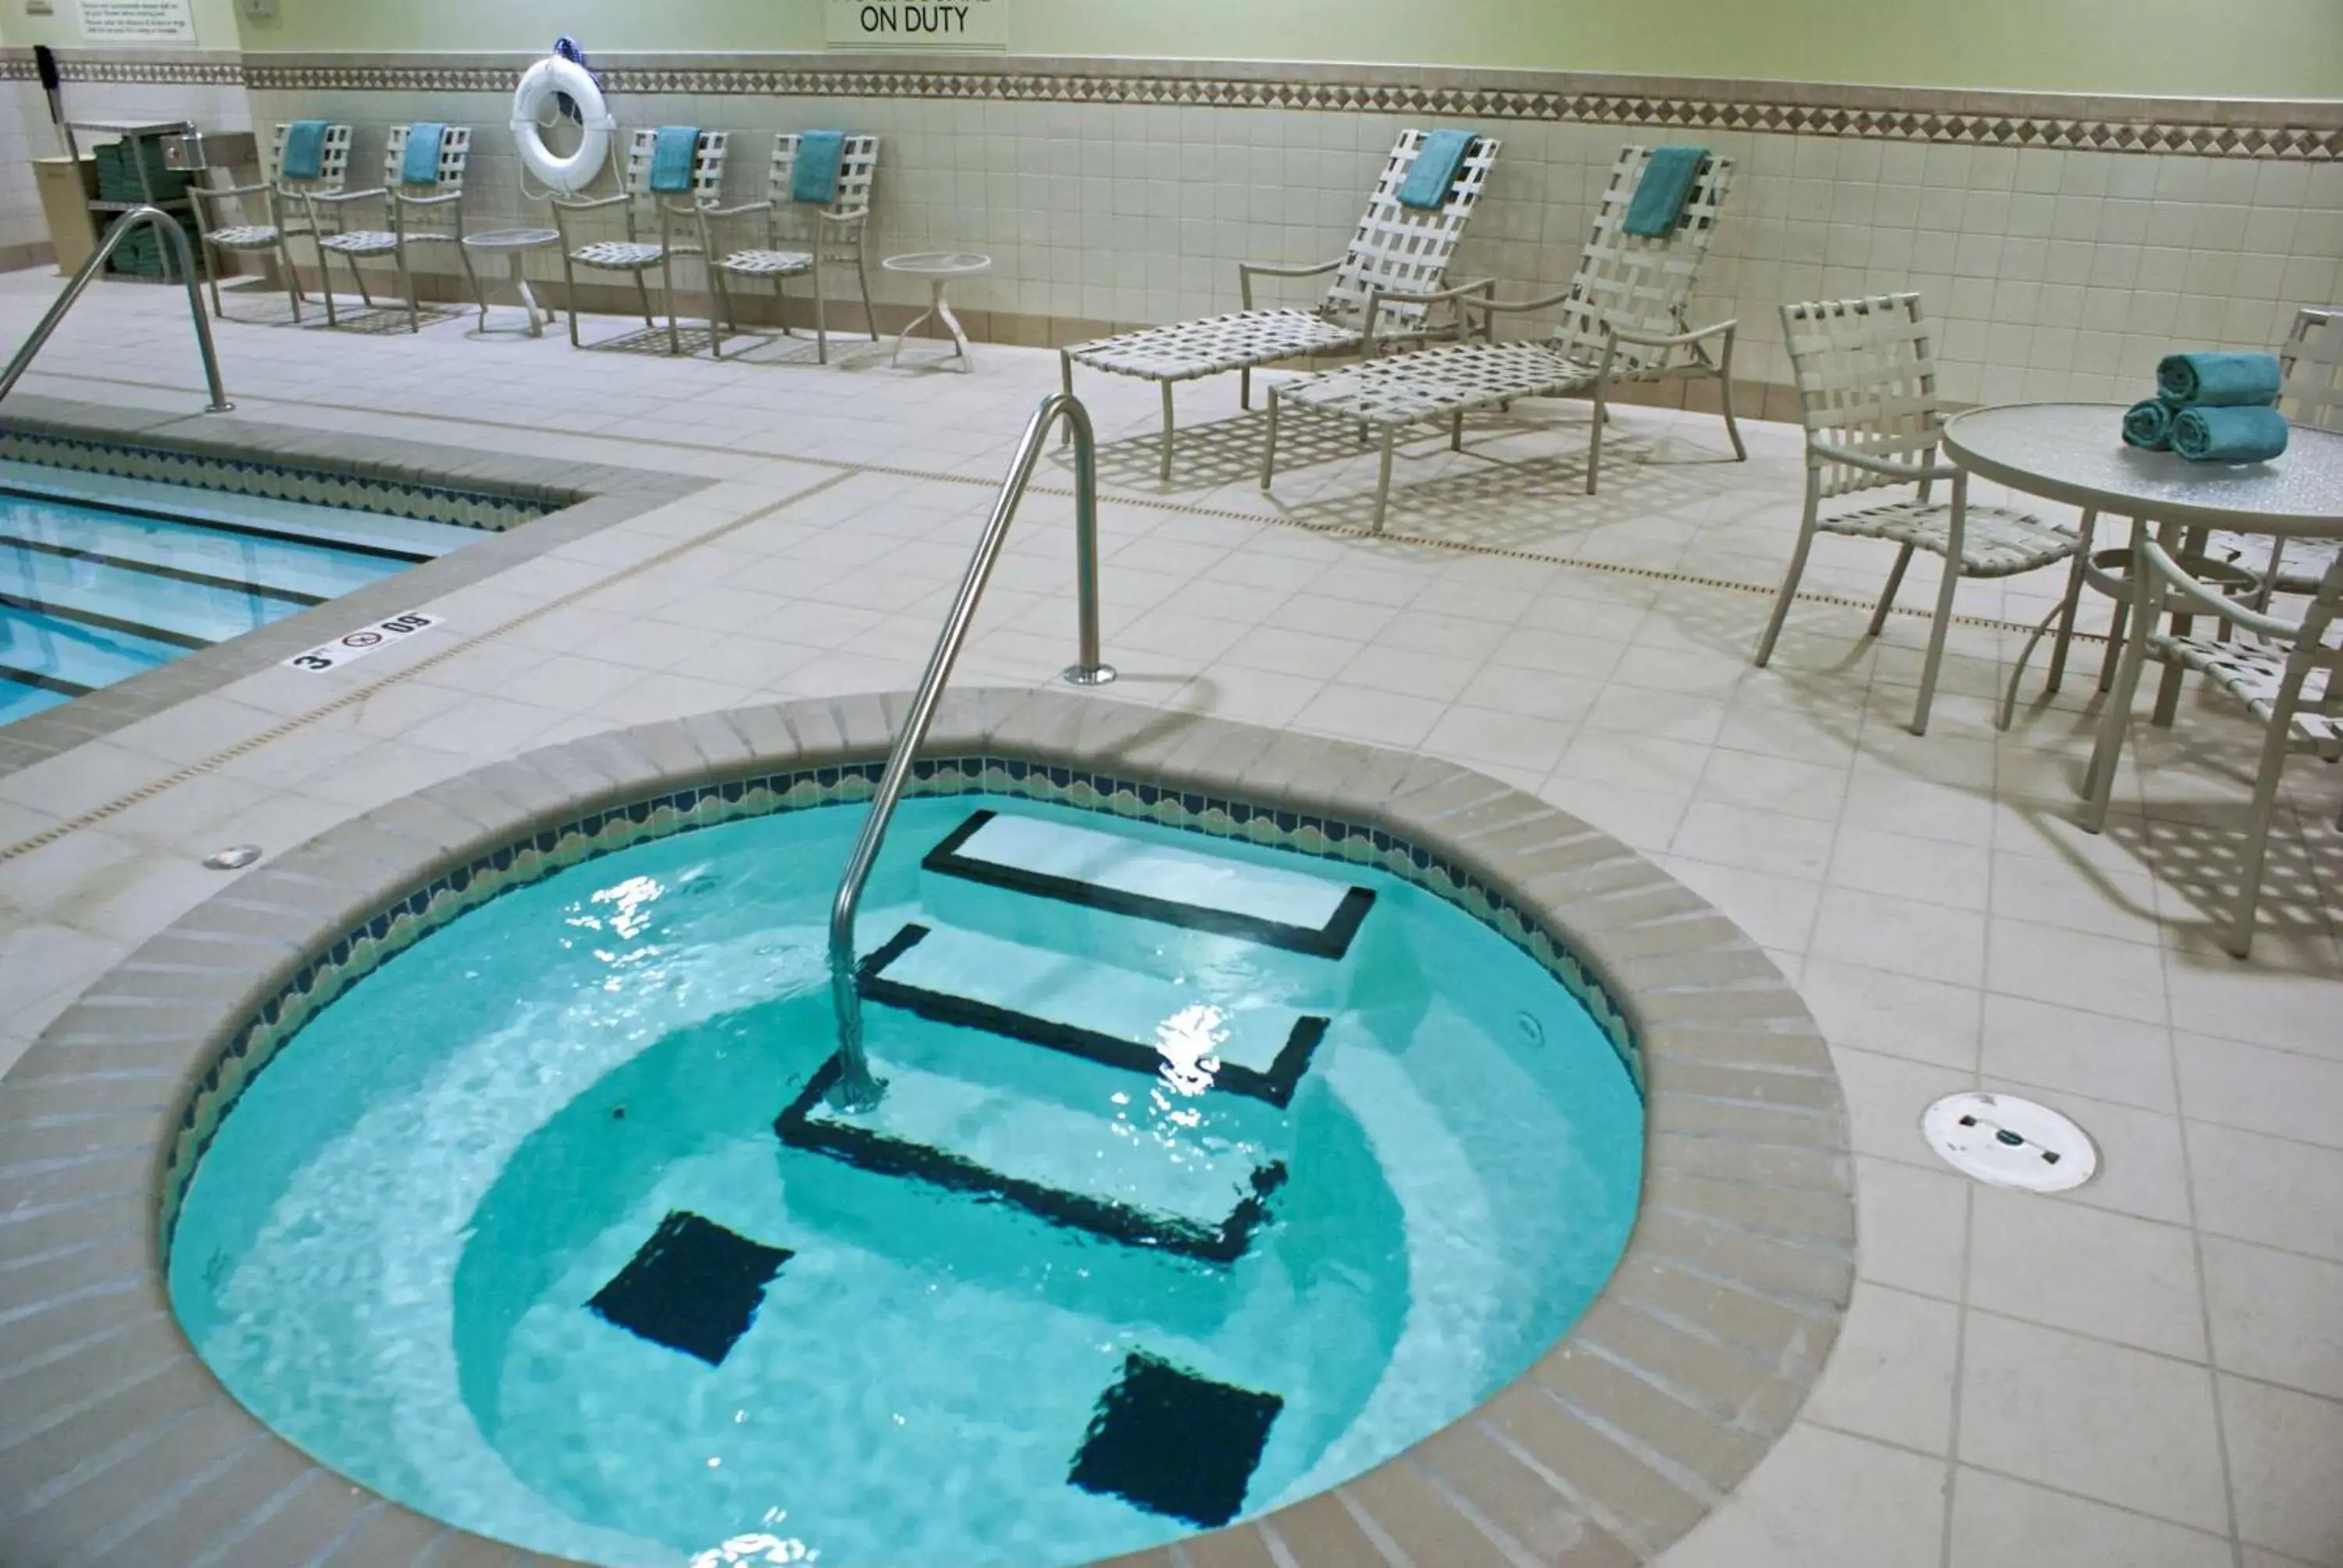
(939, 311)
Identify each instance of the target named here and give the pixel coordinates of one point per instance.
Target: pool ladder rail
(176, 240)
(856, 1090)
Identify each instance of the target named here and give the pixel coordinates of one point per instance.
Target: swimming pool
(105, 578)
(545, 1229)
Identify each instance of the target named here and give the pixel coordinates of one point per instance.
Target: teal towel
(1437, 161)
(2219, 380)
(2228, 435)
(814, 176)
(420, 164)
(1661, 193)
(673, 152)
(305, 151)
(2148, 426)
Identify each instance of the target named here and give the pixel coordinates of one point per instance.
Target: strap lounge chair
(1624, 319)
(824, 236)
(634, 255)
(285, 205)
(2311, 396)
(1398, 250)
(1867, 379)
(404, 200)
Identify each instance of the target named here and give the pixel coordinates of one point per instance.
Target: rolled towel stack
(2212, 409)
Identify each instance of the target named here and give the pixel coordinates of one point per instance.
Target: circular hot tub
(1261, 1118)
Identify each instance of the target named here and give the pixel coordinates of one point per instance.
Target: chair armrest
(743, 209)
(2177, 578)
(208, 192)
(1520, 307)
(337, 198)
(1664, 339)
(1916, 472)
(844, 219)
(406, 200)
(1379, 297)
(596, 204)
(1248, 270)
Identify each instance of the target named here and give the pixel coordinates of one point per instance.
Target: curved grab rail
(176, 238)
(856, 1090)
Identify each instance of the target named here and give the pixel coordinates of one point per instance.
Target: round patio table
(939, 267)
(513, 244)
(2075, 453)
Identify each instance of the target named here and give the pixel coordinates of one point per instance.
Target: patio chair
(1397, 250)
(2288, 673)
(1867, 377)
(441, 192)
(634, 255)
(825, 235)
(2311, 396)
(1624, 319)
(2250, 567)
(285, 206)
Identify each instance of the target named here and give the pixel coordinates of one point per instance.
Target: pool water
(103, 578)
(507, 1232)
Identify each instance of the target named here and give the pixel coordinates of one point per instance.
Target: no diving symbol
(362, 640)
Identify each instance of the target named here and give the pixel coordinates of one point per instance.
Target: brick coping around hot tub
(118, 1443)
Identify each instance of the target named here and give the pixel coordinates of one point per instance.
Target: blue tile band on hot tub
(694, 1287)
(1174, 1444)
(1050, 860)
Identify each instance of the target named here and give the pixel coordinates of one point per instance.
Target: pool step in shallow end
(1116, 1178)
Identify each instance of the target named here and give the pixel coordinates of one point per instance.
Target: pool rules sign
(930, 24)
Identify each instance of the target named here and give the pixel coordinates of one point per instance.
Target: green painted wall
(2199, 47)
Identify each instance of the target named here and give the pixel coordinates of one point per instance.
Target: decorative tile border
(1685, 1371)
(2301, 130)
(493, 511)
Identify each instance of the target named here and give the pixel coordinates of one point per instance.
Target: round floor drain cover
(2006, 1141)
(235, 857)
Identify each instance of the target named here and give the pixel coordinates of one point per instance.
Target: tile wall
(2054, 272)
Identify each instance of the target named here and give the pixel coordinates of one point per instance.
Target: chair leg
(569, 297)
(1384, 475)
(862, 276)
(1725, 400)
(211, 276)
(1888, 595)
(1163, 469)
(1066, 379)
(364, 294)
(1244, 387)
(1936, 658)
(719, 309)
(2106, 753)
(821, 323)
(1594, 440)
(1456, 431)
(643, 295)
(1269, 444)
(2114, 655)
(2074, 600)
(407, 282)
(2256, 852)
(292, 275)
(2017, 674)
(1789, 584)
(472, 276)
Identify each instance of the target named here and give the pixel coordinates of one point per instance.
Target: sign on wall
(918, 25)
(137, 21)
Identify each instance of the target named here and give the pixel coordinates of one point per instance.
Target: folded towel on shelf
(2228, 435)
(2217, 380)
(1660, 195)
(2148, 426)
(419, 164)
(1433, 173)
(305, 151)
(814, 176)
(674, 150)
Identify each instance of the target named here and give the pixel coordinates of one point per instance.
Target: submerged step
(1109, 1177)
(1130, 876)
(1103, 1014)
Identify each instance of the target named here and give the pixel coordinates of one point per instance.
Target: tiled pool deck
(2148, 1370)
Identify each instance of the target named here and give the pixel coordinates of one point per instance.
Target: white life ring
(532, 110)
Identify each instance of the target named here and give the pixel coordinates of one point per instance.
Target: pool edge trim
(1688, 1366)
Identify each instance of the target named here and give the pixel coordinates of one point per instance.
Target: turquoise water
(389, 1252)
(104, 579)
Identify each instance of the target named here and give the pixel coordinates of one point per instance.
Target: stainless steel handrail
(176, 237)
(856, 1090)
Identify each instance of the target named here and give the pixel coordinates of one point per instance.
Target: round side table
(513, 244)
(939, 267)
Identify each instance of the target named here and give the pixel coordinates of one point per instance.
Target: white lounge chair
(443, 193)
(2311, 396)
(1624, 319)
(1398, 250)
(634, 255)
(283, 202)
(1866, 378)
(832, 235)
